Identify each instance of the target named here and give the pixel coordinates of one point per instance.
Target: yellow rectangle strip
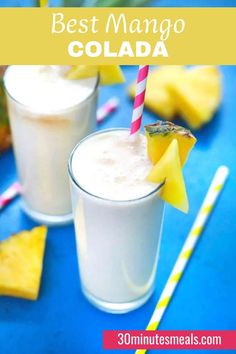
(117, 35)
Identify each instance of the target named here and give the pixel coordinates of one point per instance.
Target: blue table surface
(62, 321)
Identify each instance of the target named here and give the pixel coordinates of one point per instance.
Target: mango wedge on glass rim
(82, 72)
(168, 148)
(21, 262)
(161, 134)
(168, 169)
(108, 74)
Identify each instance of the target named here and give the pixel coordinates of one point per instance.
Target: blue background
(62, 321)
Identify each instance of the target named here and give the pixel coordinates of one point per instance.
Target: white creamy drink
(49, 114)
(118, 219)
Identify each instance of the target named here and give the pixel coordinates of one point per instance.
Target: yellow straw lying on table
(188, 247)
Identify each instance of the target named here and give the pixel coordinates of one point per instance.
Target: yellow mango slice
(197, 94)
(161, 134)
(21, 261)
(157, 97)
(82, 72)
(168, 169)
(109, 74)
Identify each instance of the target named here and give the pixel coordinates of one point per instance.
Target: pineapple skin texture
(157, 97)
(157, 145)
(5, 138)
(21, 261)
(5, 135)
(168, 169)
(197, 94)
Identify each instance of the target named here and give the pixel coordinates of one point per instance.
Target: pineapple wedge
(197, 94)
(161, 134)
(21, 258)
(82, 72)
(157, 97)
(109, 74)
(168, 169)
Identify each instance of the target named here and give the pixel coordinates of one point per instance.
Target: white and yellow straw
(188, 247)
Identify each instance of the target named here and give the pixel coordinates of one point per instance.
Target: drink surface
(44, 88)
(113, 166)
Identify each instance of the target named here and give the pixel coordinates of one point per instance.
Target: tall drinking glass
(118, 220)
(48, 116)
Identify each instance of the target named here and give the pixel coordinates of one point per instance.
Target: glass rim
(73, 179)
(51, 111)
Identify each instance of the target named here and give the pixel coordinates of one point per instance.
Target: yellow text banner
(117, 36)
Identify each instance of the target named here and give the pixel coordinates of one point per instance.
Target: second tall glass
(43, 138)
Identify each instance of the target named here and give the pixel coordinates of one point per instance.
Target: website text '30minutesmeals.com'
(169, 340)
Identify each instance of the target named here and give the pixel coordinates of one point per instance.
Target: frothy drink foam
(49, 114)
(113, 166)
(45, 88)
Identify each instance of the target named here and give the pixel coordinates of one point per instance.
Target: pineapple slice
(109, 74)
(197, 94)
(161, 134)
(21, 258)
(168, 169)
(157, 97)
(82, 72)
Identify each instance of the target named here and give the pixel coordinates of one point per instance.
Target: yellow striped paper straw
(188, 247)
